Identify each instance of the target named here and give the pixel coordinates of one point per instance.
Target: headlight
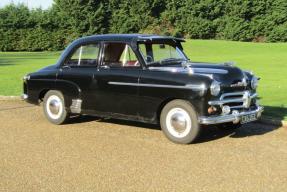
(254, 82)
(215, 88)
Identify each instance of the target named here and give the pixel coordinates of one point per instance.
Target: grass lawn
(268, 61)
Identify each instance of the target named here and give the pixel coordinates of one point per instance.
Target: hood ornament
(229, 63)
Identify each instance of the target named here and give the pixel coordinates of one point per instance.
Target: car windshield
(157, 54)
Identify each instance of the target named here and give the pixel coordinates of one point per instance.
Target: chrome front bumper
(235, 117)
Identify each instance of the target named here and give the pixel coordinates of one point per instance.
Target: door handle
(105, 67)
(66, 67)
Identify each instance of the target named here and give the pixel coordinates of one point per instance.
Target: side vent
(76, 106)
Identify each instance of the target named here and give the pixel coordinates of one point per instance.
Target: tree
(82, 17)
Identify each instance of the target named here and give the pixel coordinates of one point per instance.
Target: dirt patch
(92, 154)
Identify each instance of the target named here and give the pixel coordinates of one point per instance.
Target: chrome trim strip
(209, 70)
(187, 86)
(221, 102)
(235, 117)
(237, 93)
(190, 70)
(236, 107)
(171, 69)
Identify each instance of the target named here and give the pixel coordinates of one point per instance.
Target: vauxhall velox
(145, 78)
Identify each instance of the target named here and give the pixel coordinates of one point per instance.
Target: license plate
(248, 118)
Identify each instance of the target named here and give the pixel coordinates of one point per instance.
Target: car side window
(119, 55)
(85, 55)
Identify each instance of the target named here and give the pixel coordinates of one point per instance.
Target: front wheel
(179, 122)
(54, 107)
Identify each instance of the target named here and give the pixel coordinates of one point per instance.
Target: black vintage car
(145, 78)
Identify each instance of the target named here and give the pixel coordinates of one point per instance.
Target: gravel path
(91, 154)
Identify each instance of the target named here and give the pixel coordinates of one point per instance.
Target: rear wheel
(179, 122)
(54, 107)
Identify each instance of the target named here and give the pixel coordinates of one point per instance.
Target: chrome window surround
(244, 97)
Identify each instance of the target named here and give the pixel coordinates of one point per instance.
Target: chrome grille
(235, 99)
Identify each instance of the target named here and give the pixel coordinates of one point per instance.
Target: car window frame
(75, 48)
(149, 50)
(101, 56)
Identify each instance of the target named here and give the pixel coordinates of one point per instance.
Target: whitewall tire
(54, 107)
(179, 122)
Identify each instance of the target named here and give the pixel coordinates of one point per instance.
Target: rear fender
(69, 89)
(37, 88)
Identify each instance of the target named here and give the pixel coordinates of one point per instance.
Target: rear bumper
(235, 117)
(24, 96)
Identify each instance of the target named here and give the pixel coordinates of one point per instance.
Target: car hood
(224, 73)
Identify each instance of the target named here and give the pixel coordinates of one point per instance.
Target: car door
(79, 69)
(117, 80)
(156, 84)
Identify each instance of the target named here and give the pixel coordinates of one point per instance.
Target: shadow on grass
(209, 133)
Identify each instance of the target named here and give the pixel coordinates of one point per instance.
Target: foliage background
(22, 29)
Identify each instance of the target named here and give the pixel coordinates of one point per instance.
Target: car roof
(127, 37)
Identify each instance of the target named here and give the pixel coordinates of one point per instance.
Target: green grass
(268, 61)
(13, 66)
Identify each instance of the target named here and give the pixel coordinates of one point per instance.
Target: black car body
(134, 76)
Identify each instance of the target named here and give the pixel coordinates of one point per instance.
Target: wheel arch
(162, 104)
(191, 130)
(166, 101)
(69, 90)
(42, 93)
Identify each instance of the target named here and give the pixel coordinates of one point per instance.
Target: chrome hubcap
(54, 106)
(178, 122)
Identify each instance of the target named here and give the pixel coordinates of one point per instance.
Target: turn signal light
(212, 110)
